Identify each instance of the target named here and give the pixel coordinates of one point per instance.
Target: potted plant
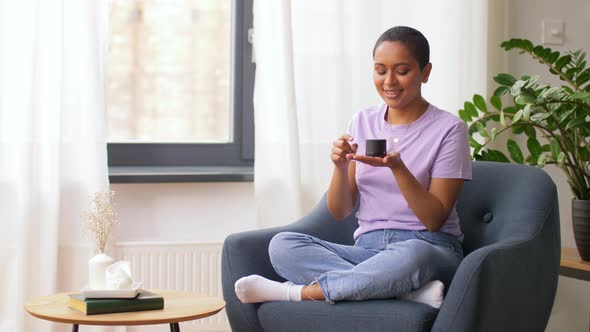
(552, 120)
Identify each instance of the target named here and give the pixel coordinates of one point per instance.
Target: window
(179, 91)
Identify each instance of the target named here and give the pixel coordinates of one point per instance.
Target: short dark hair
(411, 38)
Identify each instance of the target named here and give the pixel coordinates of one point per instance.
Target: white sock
(431, 294)
(256, 289)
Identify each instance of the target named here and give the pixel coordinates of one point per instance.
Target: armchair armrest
(244, 254)
(493, 289)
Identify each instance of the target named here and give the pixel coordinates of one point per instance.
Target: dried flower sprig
(101, 218)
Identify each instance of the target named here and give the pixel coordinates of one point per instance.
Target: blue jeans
(381, 264)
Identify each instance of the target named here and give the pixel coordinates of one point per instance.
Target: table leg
(75, 328)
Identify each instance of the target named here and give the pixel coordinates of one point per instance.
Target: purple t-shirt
(434, 146)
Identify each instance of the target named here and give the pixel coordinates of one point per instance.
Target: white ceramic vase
(97, 267)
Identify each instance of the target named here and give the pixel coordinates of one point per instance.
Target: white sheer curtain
(314, 70)
(52, 151)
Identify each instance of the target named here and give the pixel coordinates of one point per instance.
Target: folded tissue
(118, 276)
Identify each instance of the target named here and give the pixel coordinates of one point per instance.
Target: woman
(408, 243)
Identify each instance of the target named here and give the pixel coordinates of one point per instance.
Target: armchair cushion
(373, 315)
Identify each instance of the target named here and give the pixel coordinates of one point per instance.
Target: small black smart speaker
(376, 147)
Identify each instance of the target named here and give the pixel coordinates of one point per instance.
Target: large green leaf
(555, 149)
(530, 130)
(482, 130)
(523, 44)
(464, 116)
(495, 155)
(547, 54)
(505, 79)
(534, 147)
(538, 51)
(510, 110)
(480, 103)
(470, 109)
(527, 45)
(561, 62)
(552, 57)
(496, 102)
(514, 150)
(501, 90)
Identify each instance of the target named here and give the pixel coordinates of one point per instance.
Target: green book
(91, 306)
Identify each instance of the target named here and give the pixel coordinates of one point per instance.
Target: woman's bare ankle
(312, 292)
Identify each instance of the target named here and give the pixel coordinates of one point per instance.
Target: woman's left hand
(391, 160)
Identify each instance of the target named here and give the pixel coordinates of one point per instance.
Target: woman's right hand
(340, 148)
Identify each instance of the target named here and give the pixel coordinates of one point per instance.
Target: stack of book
(145, 300)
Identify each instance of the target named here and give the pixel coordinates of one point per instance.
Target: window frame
(182, 162)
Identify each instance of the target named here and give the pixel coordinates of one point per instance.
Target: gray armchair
(507, 281)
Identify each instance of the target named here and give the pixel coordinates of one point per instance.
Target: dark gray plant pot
(581, 225)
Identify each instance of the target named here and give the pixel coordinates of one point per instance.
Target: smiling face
(398, 77)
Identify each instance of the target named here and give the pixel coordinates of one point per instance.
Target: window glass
(169, 71)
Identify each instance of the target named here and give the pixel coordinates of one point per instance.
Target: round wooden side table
(178, 307)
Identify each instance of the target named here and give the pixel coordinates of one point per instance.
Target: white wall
(203, 212)
(211, 211)
(572, 305)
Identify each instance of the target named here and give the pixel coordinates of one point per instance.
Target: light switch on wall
(553, 32)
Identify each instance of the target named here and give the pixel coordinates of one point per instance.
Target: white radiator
(192, 267)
